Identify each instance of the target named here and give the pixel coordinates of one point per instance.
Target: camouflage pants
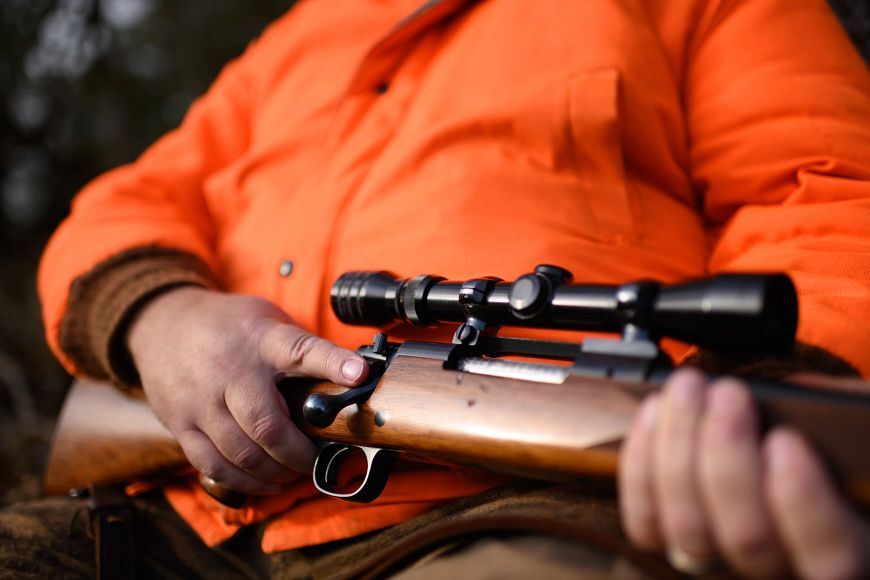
(521, 530)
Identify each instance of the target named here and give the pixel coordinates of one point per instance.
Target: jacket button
(286, 268)
(382, 88)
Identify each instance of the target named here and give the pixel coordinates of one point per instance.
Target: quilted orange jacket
(658, 139)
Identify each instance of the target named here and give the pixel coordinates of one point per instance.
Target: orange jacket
(622, 140)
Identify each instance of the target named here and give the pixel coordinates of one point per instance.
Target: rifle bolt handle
(319, 411)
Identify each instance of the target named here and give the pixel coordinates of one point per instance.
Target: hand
(209, 363)
(695, 481)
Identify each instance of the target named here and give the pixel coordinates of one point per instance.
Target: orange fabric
(312, 518)
(622, 140)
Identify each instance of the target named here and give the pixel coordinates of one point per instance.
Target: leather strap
(114, 534)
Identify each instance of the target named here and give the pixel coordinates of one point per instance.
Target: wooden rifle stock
(548, 431)
(106, 436)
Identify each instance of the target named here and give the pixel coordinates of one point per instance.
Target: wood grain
(511, 426)
(105, 436)
(514, 426)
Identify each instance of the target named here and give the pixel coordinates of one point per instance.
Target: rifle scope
(743, 312)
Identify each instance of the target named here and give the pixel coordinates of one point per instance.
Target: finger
(295, 352)
(264, 420)
(822, 535)
(206, 459)
(243, 452)
(637, 506)
(731, 482)
(682, 516)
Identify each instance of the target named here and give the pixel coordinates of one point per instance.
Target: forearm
(803, 358)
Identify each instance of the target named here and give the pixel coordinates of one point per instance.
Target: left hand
(698, 482)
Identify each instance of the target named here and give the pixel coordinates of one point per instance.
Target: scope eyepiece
(366, 298)
(376, 298)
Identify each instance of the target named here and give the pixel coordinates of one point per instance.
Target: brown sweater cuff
(804, 358)
(103, 302)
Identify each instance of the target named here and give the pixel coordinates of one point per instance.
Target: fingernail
(352, 369)
(689, 564)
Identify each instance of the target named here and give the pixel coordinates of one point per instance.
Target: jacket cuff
(103, 302)
(804, 358)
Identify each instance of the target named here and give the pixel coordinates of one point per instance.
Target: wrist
(104, 301)
(149, 321)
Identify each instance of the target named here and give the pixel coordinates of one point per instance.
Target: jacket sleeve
(157, 201)
(778, 111)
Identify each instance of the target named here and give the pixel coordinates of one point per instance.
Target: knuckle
(333, 360)
(267, 432)
(248, 458)
(298, 347)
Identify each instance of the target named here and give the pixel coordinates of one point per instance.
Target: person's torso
(471, 139)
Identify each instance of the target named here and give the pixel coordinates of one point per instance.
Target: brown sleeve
(103, 302)
(804, 358)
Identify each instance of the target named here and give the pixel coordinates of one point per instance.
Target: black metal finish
(752, 312)
(414, 299)
(379, 344)
(330, 460)
(320, 409)
(472, 298)
(529, 295)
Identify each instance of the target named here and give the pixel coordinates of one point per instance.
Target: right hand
(699, 482)
(209, 363)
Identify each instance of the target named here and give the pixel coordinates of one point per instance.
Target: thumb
(294, 352)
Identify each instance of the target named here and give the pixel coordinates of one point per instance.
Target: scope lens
(748, 312)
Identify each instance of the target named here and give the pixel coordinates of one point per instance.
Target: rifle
(462, 403)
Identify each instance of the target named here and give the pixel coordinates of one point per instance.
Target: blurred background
(86, 85)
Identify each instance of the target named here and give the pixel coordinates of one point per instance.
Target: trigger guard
(330, 458)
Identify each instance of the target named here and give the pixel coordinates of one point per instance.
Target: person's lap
(519, 530)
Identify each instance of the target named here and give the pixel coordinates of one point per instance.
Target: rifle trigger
(331, 458)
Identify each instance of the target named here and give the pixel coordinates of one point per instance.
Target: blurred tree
(85, 85)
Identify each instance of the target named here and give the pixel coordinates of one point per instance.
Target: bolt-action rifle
(464, 402)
